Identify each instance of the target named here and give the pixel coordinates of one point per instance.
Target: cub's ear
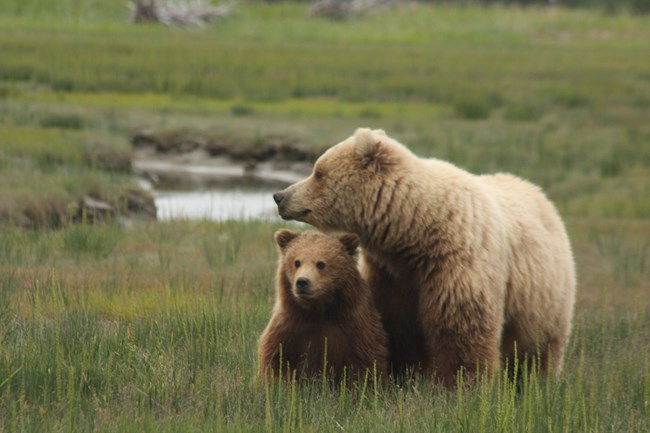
(284, 237)
(370, 147)
(350, 242)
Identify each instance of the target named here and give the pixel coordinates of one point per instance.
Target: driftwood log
(195, 13)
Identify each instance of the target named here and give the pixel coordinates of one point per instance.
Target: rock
(90, 210)
(341, 9)
(140, 204)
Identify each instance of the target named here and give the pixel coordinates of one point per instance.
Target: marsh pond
(194, 176)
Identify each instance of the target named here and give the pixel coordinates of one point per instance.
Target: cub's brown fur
(324, 317)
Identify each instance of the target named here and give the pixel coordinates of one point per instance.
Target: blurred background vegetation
(557, 95)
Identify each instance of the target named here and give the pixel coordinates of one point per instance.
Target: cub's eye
(297, 263)
(318, 175)
(320, 265)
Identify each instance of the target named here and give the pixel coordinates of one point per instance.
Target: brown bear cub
(324, 319)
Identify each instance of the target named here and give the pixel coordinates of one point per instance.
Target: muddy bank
(134, 204)
(190, 160)
(241, 147)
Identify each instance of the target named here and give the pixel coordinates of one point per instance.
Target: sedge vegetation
(153, 327)
(106, 328)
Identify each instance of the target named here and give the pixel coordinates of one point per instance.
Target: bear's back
(523, 203)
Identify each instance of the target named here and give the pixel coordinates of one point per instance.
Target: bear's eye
(320, 265)
(297, 263)
(318, 175)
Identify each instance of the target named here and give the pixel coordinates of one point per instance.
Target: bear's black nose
(302, 284)
(278, 197)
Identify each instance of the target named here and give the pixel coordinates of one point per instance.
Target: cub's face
(316, 265)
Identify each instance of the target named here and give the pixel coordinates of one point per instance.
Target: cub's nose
(278, 197)
(302, 284)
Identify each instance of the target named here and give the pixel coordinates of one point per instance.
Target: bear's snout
(288, 208)
(303, 285)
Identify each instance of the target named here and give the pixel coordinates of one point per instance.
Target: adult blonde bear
(463, 268)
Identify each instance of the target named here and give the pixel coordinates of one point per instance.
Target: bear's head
(314, 267)
(345, 183)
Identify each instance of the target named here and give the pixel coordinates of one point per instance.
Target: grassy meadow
(153, 326)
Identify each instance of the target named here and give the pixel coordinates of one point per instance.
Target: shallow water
(217, 204)
(213, 189)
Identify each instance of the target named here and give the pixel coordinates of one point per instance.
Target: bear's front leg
(396, 299)
(476, 356)
(272, 365)
(277, 351)
(462, 332)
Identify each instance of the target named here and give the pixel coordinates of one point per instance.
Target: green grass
(154, 327)
(157, 330)
(558, 96)
(220, 63)
(275, 53)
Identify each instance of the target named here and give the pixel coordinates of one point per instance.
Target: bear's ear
(350, 242)
(284, 237)
(369, 147)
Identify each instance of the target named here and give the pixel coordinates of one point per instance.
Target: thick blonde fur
(462, 267)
